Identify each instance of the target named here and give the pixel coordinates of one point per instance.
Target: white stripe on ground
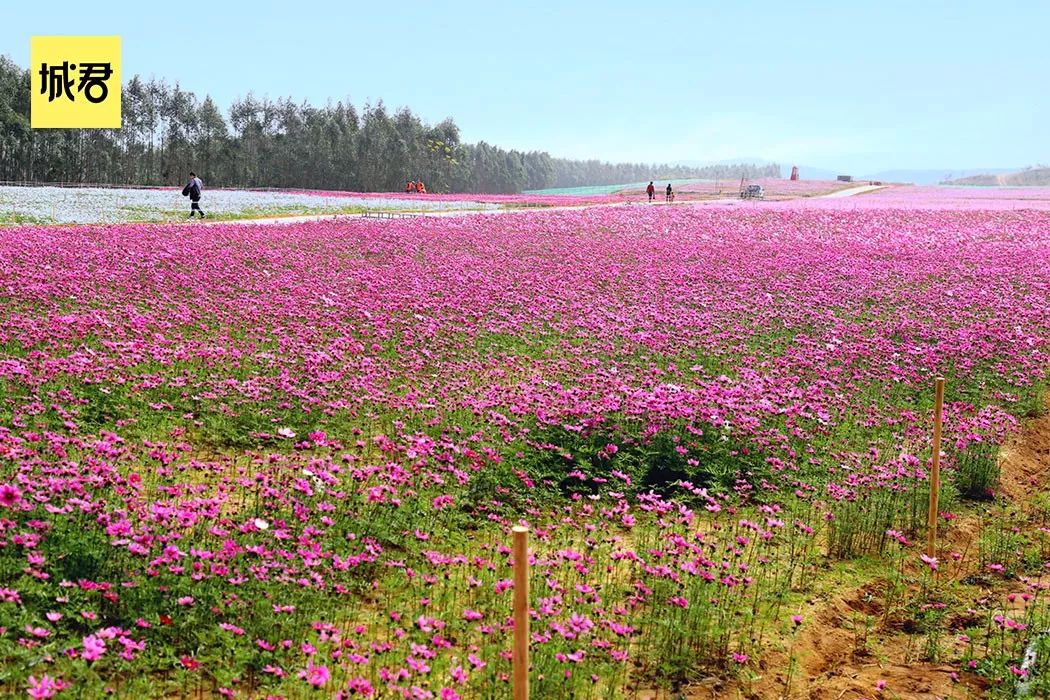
(852, 191)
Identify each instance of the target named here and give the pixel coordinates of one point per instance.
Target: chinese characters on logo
(75, 82)
(55, 81)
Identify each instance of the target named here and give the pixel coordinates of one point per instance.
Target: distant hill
(1026, 177)
(924, 176)
(917, 176)
(930, 176)
(729, 161)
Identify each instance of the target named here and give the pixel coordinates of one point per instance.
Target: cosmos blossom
(10, 495)
(302, 448)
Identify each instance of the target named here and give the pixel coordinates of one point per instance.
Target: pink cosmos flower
(360, 686)
(45, 687)
(10, 495)
(315, 675)
(94, 648)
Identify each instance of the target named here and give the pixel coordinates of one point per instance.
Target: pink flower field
(284, 461)
(942, 198)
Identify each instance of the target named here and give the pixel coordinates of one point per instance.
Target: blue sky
(844, 85)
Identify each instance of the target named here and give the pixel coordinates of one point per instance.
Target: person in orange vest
(410, 186)
(420, 187)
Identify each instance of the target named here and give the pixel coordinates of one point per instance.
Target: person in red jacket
(420, 188)
(410, 186)
(651, 191)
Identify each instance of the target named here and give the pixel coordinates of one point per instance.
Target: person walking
(670, 194)
(193, 191)
(651, 191)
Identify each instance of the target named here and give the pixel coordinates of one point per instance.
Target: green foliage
(605, 455)
(168, 131)
(1032, 403)
(14, 217)
(581, 173)
(1004, 542)
(977, 471)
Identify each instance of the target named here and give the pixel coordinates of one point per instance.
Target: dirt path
(850, 646)
(1025, 461)
(833, 668)
(849, 642)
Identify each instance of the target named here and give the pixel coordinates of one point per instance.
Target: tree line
(167, 131)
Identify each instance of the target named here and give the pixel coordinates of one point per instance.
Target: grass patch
(140, 214)
(15, 218)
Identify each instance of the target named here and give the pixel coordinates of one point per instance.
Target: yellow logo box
(74, 82)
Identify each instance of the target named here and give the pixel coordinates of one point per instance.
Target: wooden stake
(521, 613)
(935, 474)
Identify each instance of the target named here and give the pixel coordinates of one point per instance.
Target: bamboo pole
(521, 613)
(935, 474)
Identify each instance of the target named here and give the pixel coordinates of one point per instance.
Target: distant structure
(794, 172)
(845, 178)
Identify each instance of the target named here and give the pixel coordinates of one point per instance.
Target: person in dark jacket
(193, 191)
(670, 193)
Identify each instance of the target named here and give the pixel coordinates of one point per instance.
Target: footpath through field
(853, 639)
(498, 212)
(852, 191)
